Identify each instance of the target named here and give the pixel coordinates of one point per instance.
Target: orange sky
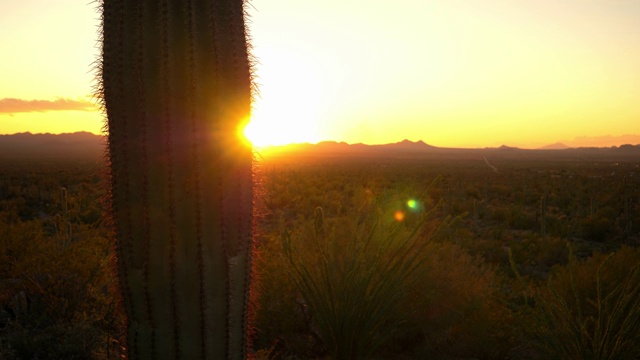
(458, 73)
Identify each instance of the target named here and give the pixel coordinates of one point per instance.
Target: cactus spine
(176, 87)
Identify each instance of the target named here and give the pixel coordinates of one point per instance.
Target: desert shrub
(520, 219)
(551, 252)
(282, 320)
(535, 255)
(557, 225)
(56, 297)
(352, 273)
(498, 214)
(590, 309)
(456, 309)
(598, 228)
(77, 340)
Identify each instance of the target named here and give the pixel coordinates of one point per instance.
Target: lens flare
(412, 204)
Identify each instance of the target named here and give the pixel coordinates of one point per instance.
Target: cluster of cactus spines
(176, 87)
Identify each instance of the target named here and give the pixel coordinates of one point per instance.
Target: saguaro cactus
(176, 87)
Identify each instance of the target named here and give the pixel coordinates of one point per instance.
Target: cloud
(12, 106)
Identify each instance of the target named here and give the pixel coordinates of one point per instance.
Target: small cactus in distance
(176, 88)
(543, 214)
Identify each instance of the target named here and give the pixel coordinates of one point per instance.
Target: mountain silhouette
(79, 145)
(554, 146)
(84, 145)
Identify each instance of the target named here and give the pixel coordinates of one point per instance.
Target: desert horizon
(314, 180)
(598, 142)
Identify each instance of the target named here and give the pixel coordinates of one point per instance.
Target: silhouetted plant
(591, 310)
(352, 274)
(176, 87)
(55, 301)
(455, 309)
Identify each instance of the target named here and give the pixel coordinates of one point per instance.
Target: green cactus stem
(176, 88)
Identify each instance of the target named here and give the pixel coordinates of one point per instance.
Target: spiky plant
(569, 324)
(176, 86)
(353, 276)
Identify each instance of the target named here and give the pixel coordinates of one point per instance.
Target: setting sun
(291, 101)
(524, 73)
(270, 131)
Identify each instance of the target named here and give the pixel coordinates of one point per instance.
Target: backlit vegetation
(541, 261)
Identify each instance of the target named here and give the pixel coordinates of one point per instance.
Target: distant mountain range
(81, 145)
(409, 149)
(90, 146)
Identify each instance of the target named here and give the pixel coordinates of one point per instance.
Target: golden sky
(454, 73)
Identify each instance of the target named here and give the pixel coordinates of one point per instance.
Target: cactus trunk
(176, 87)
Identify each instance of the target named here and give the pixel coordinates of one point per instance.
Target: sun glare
(271, 126)
(292, 99)
(273, 131)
